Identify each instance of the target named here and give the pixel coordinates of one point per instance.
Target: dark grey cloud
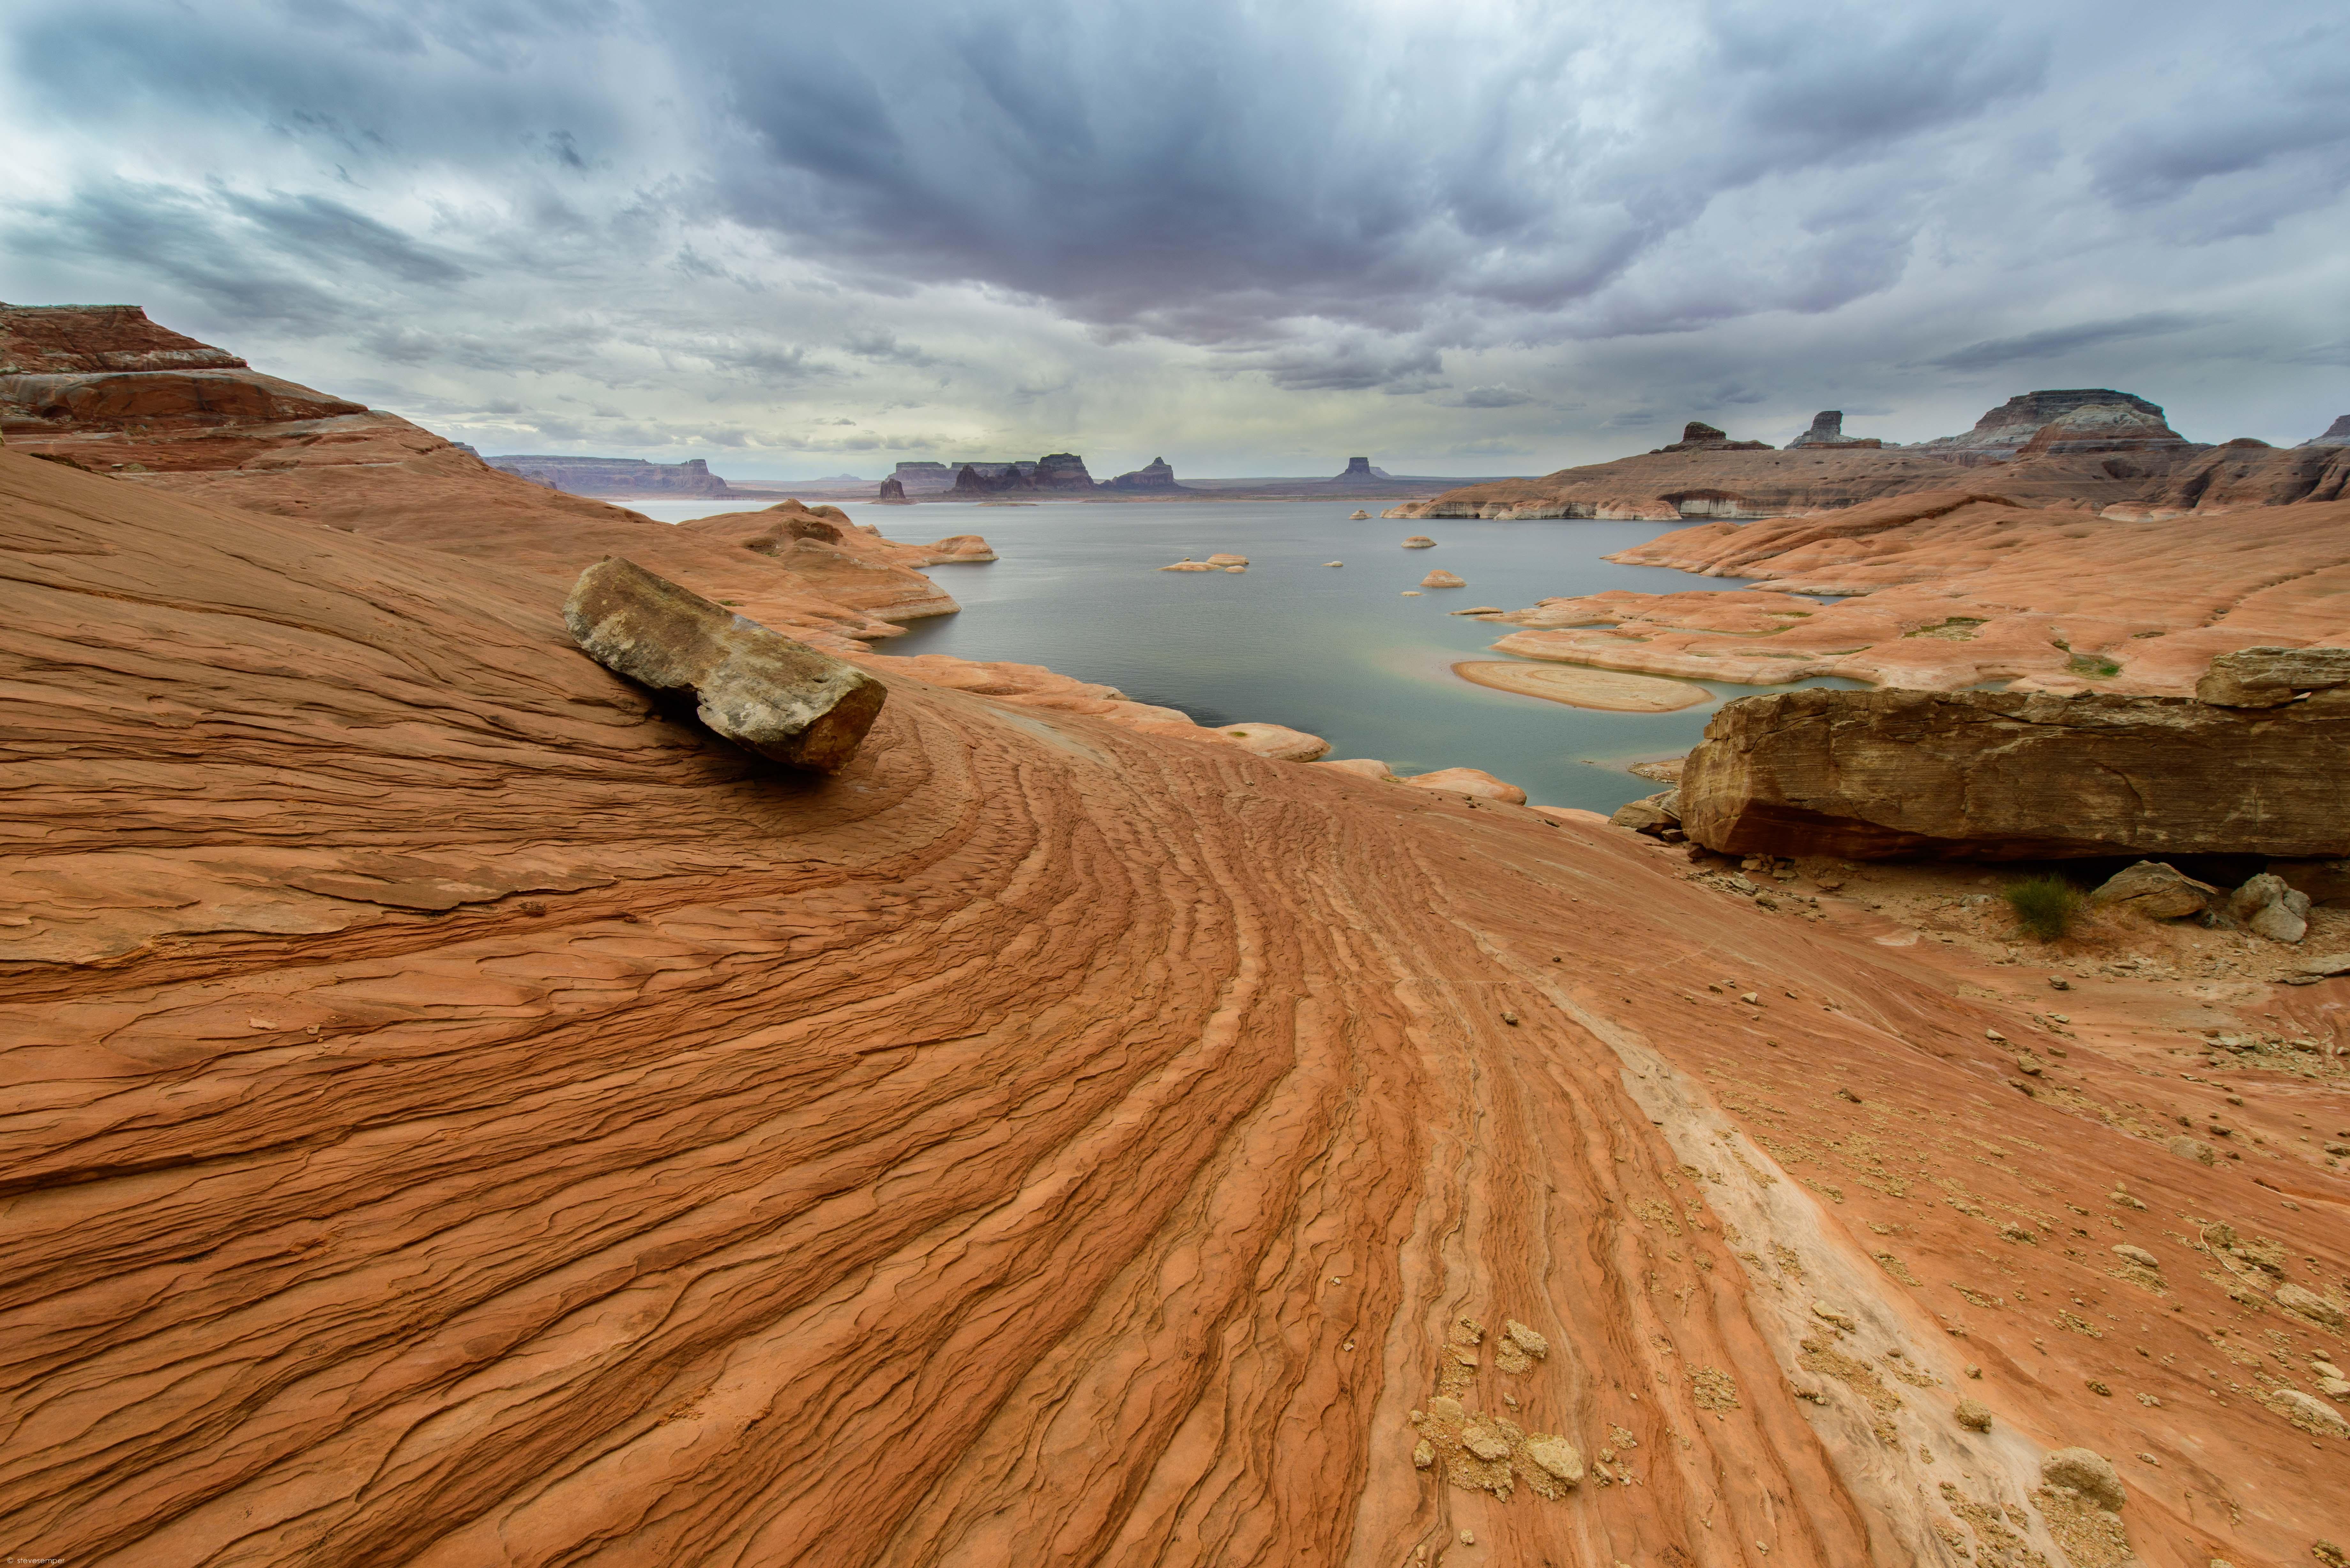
(1026, 215)
(2057, 341)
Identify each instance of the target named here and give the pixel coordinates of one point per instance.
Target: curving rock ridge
(88, 339)
(1955, 588)
(458, 1114)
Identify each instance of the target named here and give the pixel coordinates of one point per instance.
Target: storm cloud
(1247, 236)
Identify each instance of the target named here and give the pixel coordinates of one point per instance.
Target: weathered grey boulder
(2006, 775)
(760, 689)
(2271, 677)
(2153, 888)
(1651, 814)
(2270, 909)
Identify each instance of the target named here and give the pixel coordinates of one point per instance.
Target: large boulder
(2151, 887)
(762, 690)
(2269, 908)
(2000, 775)
(2272, 677)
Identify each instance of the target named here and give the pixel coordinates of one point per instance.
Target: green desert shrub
(2044, 906)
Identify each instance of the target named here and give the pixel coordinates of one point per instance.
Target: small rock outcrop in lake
(1828, 430)
(1154, 475)
(1441, 579)
(1420, 542)
(2336, 434)
(2004, 776)
(757, 689)
(893, 493)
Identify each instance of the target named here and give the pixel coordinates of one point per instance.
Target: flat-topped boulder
(2004, 776)
(762, 690)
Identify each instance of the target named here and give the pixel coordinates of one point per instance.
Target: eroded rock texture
(1949, 589)
(456, 1114)
(2000, 775)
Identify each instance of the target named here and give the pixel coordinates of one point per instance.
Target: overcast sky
(1459, 236)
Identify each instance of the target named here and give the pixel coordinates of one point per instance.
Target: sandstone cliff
(2090, 449)
(624, 476)
(1995, 775)
(1154, 475)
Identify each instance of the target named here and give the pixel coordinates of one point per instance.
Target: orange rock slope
(457, 1116)
(1952, 588)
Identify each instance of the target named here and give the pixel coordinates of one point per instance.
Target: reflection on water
(1338, 652)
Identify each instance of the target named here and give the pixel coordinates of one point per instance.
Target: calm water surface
(1340, 653)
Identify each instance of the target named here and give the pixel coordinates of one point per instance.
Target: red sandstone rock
(1956, 589)
(457, 1116)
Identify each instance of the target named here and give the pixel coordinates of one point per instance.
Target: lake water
(1340, 653)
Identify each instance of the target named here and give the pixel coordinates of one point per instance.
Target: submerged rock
(2004, 775)
(756, 688)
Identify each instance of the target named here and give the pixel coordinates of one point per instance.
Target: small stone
(1556, 1456)
(2305, 1303)
(2087, 1472)
(1525, 1338)
(1423, 1454)
(1511, 1019)
(2139, 1255)
(1994, 1036)
(1973, 1415)
(1485, 1443)
(1973, 1371)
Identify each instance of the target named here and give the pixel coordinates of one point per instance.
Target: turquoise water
(1340, 654)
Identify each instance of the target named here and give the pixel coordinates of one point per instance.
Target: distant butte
(2091, 449)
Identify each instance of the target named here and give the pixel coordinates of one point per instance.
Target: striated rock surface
(766, 693)
(86, 340)
(457, 1115)
(1954, 589)
(2271, 677)
(625, 476)
(1990, 775)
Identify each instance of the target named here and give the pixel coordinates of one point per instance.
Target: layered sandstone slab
(458, 1114)
(766, 693)
(1953, 589)
(1607, 690)
(2010, 776)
